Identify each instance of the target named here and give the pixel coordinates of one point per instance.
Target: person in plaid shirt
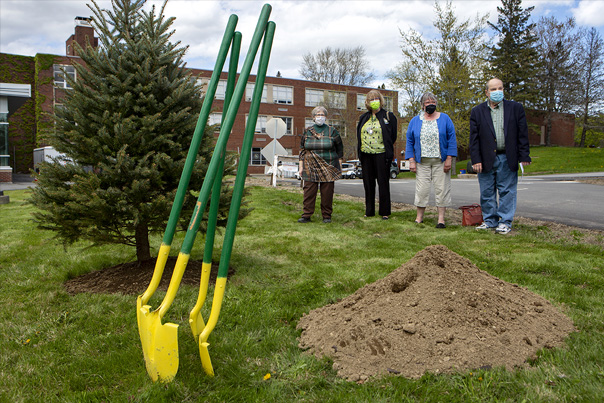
(320, 152)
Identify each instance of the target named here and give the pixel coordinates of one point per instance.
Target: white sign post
(275, 128)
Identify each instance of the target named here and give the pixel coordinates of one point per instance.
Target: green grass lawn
(85, 348)
(553, 160)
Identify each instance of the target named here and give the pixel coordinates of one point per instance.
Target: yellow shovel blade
(195, 319)
(204, 354)
(206, 362)
(160, 344)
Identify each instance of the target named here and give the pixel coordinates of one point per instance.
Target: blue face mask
(496, 96)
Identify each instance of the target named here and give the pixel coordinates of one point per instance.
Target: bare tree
(591, 70)
(557, 80)
(407, 78)
(337, 66)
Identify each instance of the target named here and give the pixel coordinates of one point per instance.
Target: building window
(249, 91)
(388, 101)
(314, 97)
(329, 99)
(338, 124)
(62, 70)
(4, 156)
(215, 119)
(257, 157)
(361, 102)
(221, 89)
(289, 122)
(283, 95)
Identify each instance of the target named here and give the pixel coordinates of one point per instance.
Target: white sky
(28, 27)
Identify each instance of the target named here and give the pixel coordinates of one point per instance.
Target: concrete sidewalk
(20, 181)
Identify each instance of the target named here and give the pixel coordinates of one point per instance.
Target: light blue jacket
(446, 135)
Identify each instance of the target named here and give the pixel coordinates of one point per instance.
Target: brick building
(30, 87)
(563, 128)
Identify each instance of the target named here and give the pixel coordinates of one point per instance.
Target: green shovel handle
(208, 182)
(190, 162)
(229, 236)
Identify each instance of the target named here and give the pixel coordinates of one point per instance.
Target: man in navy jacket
(498, 143)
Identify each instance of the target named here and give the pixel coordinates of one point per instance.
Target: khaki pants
(310, 196)
(431, 172)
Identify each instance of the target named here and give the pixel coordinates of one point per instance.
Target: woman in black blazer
(376, 134)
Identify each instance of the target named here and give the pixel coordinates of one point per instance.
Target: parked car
(348, 171)
(393, 170)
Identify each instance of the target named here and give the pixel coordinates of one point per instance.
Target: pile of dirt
(439, 313)
(133, 278)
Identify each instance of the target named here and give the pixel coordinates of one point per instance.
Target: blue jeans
(503, 181)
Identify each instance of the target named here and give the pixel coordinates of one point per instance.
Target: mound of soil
(439, 313)
(133, 278)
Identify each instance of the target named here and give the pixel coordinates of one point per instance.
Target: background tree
(514, 58)
(455, 96)
(407, 78)
(338, 66)
(591, 80)
(557, 80)
(129, 118)
(452, 66)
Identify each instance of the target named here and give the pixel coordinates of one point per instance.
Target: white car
(348, 171)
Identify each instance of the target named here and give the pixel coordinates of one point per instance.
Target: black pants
(376, 167)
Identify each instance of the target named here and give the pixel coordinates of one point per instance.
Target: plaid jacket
(321, 149)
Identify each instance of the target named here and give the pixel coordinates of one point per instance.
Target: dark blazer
(387, 123)
(483, 144)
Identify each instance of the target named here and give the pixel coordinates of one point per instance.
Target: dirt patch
(133, 278)
(439, 313)
(592, 181)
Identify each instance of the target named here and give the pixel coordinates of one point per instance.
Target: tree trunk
(584, 129)
(583, 135)
(143, 250)
(548, 130)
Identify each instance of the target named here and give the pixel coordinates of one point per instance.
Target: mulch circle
(133, 278)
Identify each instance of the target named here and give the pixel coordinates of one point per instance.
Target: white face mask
(320, 120)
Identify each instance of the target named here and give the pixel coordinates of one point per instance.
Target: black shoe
(303, 220)
(441, 225)
(385, 217)
(326, 220)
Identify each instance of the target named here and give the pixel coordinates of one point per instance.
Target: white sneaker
(483, 226)
(503, 229)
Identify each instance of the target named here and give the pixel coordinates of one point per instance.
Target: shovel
(229, 236)
(148, 321)
(195, 319)
(160, 341)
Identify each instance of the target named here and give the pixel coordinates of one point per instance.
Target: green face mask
(375, 105)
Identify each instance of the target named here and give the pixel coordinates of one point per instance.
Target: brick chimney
(83, 30)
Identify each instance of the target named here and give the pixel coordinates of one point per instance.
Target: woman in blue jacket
(431, 147)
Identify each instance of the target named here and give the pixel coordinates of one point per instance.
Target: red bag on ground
(472, 215)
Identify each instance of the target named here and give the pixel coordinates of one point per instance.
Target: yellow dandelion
(480, 378)
(267, 376)
(26, 341)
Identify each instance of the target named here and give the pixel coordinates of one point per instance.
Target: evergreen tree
(514, 58)
(126, 125)
(455, 96)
